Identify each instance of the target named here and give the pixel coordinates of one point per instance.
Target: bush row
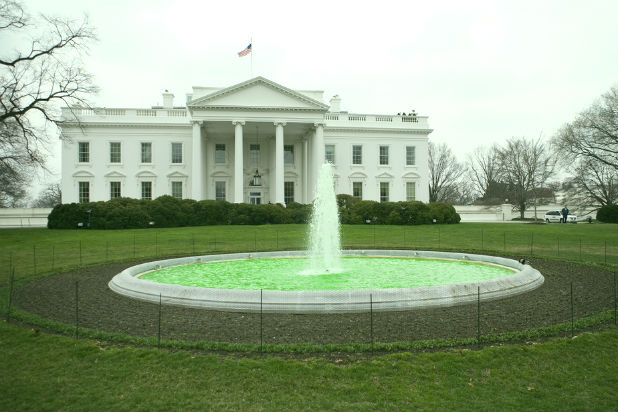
(167, 211)
(353, 212)
(608, 214)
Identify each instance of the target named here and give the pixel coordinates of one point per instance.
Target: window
(84, 192)
(255, 198)
(410, 191)
(410, 155)
(146, 152)
(357, 190)
(357, 155)
(176, 152)
(114, 190)
(383, 191)
(84, 152)
(114, 152)
(219, 153)
(329, 153)
(219, 190)
(147, 190)
(254, 154)
(383, 155)
(288, 154)
(288, 192)
(177, 190)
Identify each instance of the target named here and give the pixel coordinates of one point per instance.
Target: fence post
(572, 314)
(80, 253)
(482, 241)
(53, 257)
(34, 258)
(156, 244)
(531, 243)
(404, 237)
(478, 315)
(261, 319)
(439, 239)
(133, 245)
(193, 244)
(255, 240)
(106, 250)
(558, 246)
(371, 317)
(159, 323)
(605, 260)
(504, 244)
(76, 309)
(277, 240)
(580, 248)
(11, 281)
(615, 301)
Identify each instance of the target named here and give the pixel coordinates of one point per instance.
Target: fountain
(324, 279)
(324, 234)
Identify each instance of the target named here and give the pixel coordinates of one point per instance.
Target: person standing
(565, 213)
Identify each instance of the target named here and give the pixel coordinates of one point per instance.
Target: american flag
(245, 51)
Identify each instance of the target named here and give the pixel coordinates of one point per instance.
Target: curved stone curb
(330, 301)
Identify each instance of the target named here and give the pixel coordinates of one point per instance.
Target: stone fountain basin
(129, 284)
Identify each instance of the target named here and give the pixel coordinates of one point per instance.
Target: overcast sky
(483, 71)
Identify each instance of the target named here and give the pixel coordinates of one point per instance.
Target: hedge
(608, 214)
(167, 211)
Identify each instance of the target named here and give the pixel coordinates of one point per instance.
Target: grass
(48, 372)
(41, 251)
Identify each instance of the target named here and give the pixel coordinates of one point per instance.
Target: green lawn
(48, 372)
(42, 251)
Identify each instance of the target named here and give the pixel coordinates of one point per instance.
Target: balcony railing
(394, 121)
(97, 113)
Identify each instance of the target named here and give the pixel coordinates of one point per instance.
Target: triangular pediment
(177, 175)
(115, 174)
(258, 93)
(384, 175)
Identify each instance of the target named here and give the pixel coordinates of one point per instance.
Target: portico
(271, 131)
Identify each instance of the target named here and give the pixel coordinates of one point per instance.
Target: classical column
(279, 166)
(196, 161)
(238, 162)
(305, 179)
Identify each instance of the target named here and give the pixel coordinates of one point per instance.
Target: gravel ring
(53, 297)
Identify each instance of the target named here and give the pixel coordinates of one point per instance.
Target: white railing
(73, 113)
(394, 121)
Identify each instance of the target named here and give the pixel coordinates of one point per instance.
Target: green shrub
(608, 214)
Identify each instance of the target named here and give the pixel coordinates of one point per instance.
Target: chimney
(168, 100)
(335, 104)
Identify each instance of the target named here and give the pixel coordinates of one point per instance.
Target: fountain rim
(129, 284)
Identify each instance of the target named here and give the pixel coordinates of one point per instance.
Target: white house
(253, 142)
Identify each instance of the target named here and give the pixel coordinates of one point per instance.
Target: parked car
(554, 216)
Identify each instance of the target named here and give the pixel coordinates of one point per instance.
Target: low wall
(505, 212)
(24, 217)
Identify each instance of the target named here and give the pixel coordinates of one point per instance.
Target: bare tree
(593, 184)
(483, 171)
(34, 81)
(444, 173)
(593, 134)
(525, 166)
(49, 197)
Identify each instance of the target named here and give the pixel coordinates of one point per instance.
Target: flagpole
(251, 43)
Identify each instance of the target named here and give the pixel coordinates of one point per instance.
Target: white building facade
(254, 142)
